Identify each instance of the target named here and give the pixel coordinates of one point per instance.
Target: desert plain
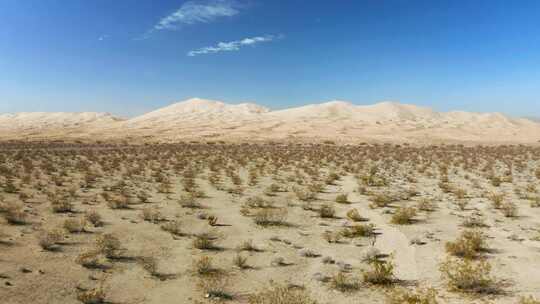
(204, 202)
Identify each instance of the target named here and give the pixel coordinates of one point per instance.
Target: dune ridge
(341, 121)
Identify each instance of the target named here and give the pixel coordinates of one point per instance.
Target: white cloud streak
(230, 46)
(193, 12)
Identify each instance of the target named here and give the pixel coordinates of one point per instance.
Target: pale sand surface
(200, 119)
(55, 277)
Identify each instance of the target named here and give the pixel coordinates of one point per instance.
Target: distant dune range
(339, 121)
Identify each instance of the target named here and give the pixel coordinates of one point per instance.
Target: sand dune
(196, 119)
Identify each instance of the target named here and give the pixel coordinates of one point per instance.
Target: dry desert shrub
(118, 202)
(282, 294)
(150, 264)
(272, 189)
(371, 255)
(332, 237)
(144, 197)
(93, 296)
(372, 180)
(94, 218)
(459, 193)
(406, 296)
(426, 205)
(496, 199)
(248, 246)
(403, 216)
(174, 227)
(49, 240)
(109, 245)
(92, 259)
(308, 253)
(10, 187)
(529, 299)
(304, 194)
(75, 225)
(496, 181)
(14, 213)
(205, 241)
(462, 204)
(203, 266)
(327, 211)
(215, 287)
(381, 200)
(535, 202)
(354, 215)
(474, 221)
(331, 178)
(257, 202)
(315, 187)
(152, 215)
(468, 276)
(509, 209)
(362, 230)
(240, 261)
(61, 205)
(380, 272)
(468, 245)
(344, 282)
(270, 217)
(342, 199)
(189, 201)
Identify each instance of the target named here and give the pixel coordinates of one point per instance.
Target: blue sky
(131, 56)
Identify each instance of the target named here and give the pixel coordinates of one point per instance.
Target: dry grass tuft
(282, 294)
(75, 225)
(270, 217)
(468, 245)
(344, 282)
(381, 273)
(342, 199)
(403, 216)
(468, 276)
(418, 296)
(14, 213)
(49, 240)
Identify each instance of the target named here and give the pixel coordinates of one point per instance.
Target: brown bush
(281, 294)
(468, 245)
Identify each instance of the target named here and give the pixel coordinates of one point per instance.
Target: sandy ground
(30, 274)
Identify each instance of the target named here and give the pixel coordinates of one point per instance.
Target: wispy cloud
(103, 37)
(193, 12)
(235, 45)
